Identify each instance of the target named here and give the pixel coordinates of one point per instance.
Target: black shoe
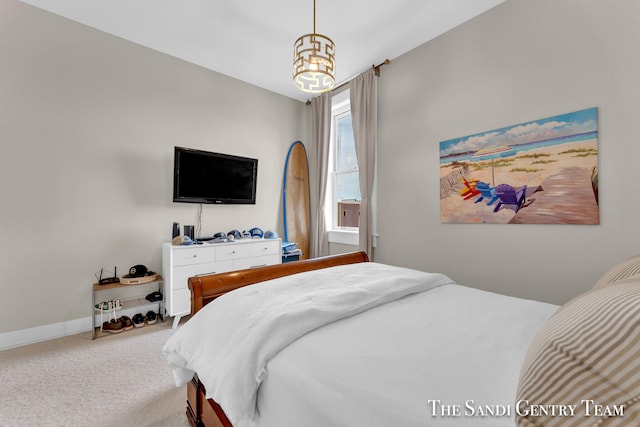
(151, 318)
(154, 296)
(138, 320)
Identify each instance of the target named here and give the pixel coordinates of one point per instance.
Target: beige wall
(521, 61)
(88, 123)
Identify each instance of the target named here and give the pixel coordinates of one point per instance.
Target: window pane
(346, 146)
(348, 186)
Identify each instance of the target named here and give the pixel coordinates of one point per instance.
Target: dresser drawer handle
(258, 266)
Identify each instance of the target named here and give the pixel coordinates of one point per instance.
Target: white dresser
(181, 262)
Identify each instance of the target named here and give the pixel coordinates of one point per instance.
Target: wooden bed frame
(204, 289)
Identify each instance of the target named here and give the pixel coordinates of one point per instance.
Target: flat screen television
(205, 177)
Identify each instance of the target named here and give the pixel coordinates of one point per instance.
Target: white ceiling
(252, 40)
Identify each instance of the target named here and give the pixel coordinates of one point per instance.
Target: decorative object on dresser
(181, 262)
(189, 231)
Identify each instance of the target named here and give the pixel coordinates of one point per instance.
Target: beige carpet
(119, 380)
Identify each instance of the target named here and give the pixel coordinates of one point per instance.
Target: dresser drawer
(255, 262)
(181, 262)
(181, 274)
(192, 256)
(266, 247)
(231, 252)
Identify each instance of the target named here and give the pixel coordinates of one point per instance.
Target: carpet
(117, 380)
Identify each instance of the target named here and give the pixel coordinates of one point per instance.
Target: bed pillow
(627, 270)
(586, 354)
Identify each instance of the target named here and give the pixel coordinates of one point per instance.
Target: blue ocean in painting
(577, 126)
(528, 146)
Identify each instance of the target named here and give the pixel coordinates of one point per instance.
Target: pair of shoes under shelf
(127, 324)
(113, 326)
(139, 320)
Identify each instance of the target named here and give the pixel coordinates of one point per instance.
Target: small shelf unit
(133, 300)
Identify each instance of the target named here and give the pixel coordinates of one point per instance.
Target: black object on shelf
(290, 257)
(109, 280)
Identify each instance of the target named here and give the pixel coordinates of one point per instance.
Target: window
(346, 172)
(343, 185)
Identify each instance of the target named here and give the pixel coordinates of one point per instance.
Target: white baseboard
(62, 329)
(43, 333)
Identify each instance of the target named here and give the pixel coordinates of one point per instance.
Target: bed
(341, 341)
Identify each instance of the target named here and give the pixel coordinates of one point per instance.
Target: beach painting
(539, 172)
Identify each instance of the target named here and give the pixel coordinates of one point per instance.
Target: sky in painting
(538, 130)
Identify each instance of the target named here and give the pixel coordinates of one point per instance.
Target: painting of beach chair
(510, 196)
(469, 189)
(486, 192)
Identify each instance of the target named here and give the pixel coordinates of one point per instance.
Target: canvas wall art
(539, 172)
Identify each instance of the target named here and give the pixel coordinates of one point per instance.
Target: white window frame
(335, 234)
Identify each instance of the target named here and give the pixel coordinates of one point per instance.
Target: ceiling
(252, 40)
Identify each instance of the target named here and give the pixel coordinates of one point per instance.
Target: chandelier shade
(314, 61)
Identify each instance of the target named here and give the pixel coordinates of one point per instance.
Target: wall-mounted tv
(205, 177)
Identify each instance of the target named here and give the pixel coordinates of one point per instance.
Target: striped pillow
(586, 354)
(625, 271)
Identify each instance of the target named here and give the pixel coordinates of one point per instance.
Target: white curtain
(364, 119)
(320, 135)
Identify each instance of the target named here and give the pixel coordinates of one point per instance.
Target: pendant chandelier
(314, 61)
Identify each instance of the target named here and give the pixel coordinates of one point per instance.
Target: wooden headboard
(204, 289)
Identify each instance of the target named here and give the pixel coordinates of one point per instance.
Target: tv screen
(206, 177)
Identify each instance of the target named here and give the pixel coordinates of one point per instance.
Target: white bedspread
(390, 366)
(231, 340)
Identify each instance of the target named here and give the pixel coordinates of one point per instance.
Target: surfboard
(295, 198)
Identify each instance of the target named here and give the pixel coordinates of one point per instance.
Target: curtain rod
(376, 70)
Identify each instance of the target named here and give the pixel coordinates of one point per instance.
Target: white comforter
(231, 340)
(448, 357)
